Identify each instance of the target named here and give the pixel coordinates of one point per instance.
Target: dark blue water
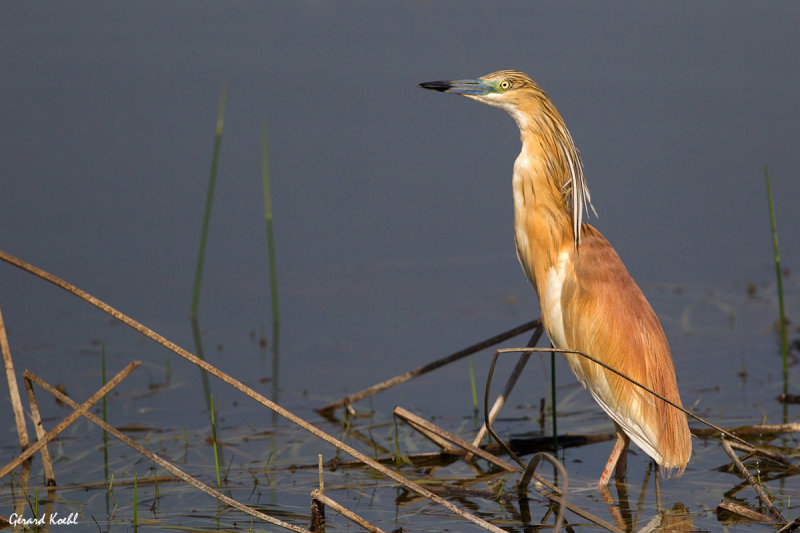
(392, 205)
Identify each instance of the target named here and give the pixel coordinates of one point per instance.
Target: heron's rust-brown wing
(606, 316)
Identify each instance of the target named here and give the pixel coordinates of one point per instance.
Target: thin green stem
(273, 276)
(779, 276)
(553, 400)
(105, 412)
(472, 385)
(214, 440)
(198, 275)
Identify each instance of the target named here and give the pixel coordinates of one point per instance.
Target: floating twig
(741, 510)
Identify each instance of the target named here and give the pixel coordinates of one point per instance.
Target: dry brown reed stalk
(411, 374)
(241, 387)
(753, 430)
(429, 427)
(79, 410)
(163, 463)
(13, 389)
(432, 435)
(40, 432)
(762, 495)
(347, 513)
(512, 380)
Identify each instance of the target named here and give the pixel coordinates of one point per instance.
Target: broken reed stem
(411, 374)
(79, 410)
(512, 380)
(750, 479)
(166, 465)
(415, 420)
(13, 388)
(317, 508)
(40, 432)
(241, 387)
(321, 474)
(347, 513)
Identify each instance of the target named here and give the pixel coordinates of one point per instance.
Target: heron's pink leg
(619, 451)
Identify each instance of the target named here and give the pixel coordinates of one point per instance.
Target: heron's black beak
(465, 87)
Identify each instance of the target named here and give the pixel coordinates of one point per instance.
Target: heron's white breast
(551, 301)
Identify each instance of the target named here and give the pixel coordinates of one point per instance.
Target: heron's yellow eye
(505, 85)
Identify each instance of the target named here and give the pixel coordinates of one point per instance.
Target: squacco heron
(589, 301)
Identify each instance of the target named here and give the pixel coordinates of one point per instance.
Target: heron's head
(511, 90)
(540, 125)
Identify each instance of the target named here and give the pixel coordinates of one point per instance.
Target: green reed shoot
(105, 412)
(135, 500)
(198, 276)
(214, 439)
(779, 276)
(553, 399)
(273, 276)
(475, 409)
(273, 270)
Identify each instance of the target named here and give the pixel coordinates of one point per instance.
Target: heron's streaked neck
(543, 165)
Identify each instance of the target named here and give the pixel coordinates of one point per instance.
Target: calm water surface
(392, 210)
